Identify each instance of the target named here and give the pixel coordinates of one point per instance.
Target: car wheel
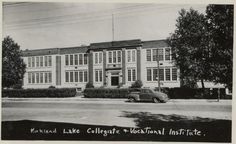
(132, 100)
(156, 100)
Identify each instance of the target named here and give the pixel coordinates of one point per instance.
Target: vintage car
(145, 94)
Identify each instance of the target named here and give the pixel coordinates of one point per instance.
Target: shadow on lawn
(213, 130)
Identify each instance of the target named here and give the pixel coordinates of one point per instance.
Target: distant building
(106, 64)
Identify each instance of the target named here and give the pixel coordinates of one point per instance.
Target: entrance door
(114, 80)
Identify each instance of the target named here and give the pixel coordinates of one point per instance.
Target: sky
(56, 25)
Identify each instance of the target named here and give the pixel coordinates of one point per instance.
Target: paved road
(108, 112)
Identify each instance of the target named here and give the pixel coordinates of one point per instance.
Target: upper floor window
(167, 54)
(71, 59)
(98, 57)
(39, 61)
(148, 51)
(76, 59)
(160, 54)
(67, 59)
(131, 55)
(114, 57)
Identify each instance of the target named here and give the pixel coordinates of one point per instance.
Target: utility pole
(158, 71)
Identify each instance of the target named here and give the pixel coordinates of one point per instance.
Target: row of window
(165, 74)
(76, 76)
(39, 77)
(162, 54)
(40, 61)
(76, 59)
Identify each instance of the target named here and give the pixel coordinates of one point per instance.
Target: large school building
(105, 64)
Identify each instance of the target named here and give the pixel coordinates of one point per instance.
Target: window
(41, 61)
(167, 74)
(96, 58)
(67, 76)
(46, 61)
(161, 74)
(167, 54)
(50, 77)
(109, 57)
(67, 60)
(174, 74)
(119, 57)
(85, 76)
(76, 59)
(154, 55)
(29, 77)
(134, 75)
(85, 59)
(100, 57)
(29, 61)
(33, 77)
(45, 77)
(98, 75)
(49, 60)
(160, 54)
(114, 56)
(71, 59)
(129, 56)
(133, 56)
(80, 59)
(37, 61)
(37, 77)
(149, 74)
(71, 77)
(148, 54)
(33, 61)
(76, 76)
(155, 74)
(41, 77)
(81, 76)
(131, 74)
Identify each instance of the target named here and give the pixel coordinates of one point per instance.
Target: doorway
(114, 80)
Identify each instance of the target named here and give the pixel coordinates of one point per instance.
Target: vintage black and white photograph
(105, 71)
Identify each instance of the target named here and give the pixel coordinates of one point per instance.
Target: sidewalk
(80, 98)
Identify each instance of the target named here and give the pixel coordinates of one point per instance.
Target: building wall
(133, 66)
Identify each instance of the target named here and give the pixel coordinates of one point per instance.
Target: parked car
(145, 94)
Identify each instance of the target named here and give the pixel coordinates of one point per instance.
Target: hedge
(173, 93)
(37, 93)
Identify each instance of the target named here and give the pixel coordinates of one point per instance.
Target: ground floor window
(76, 76)
(39, 77)
(98, 76)
(132, 74)
(164, 73)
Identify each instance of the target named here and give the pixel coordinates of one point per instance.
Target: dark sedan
(144, 94)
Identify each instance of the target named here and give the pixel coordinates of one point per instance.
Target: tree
(13, 67)
(220, 26)
(137, 84)
(189, 47)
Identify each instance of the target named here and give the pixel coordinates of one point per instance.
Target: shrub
(23, 93)
(137, 84)
(106, 93)
(51, 87)
(89, 85)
